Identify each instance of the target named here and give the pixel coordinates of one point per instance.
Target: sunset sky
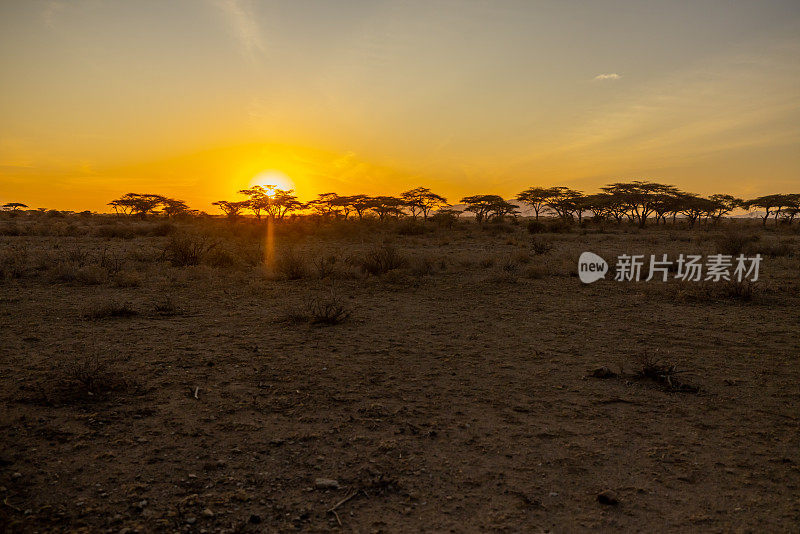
(195, 99)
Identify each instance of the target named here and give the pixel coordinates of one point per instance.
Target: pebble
(607, 497)
(326, 483)
(208, 513)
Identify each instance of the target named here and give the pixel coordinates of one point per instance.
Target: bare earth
(458, 395)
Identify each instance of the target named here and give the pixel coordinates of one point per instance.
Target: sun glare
(272, 179)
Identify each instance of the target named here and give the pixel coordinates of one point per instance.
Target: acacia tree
(360, 203)
(537, 198)
(325, 204)
(640, 197)
(282, 202)
(257, 199)
(724, 204)
(138, 204)
(486, 207)
(232, 209)
(14, 206)
(422, 200)
(386, 205)
(769, 203)
(174, 207)
(565, 202)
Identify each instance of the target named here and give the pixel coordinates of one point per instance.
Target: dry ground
(142, 396)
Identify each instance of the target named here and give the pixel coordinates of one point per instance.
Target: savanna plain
(213, 376)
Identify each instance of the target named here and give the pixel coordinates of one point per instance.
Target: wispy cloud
(242, 18)
(608, 76)
(51, 11)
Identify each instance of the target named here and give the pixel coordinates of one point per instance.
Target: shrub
(166, 307)
(734, 243)
(183, 250)
(411, 227)
(772, 249)
(115, 231)
(291, 265)
(108, 310)
(221, 257)
(325, 266)
(558, 226)
(327, 310)
(536, 227)
(421, 266)
(381, 260)
(13, 262)
(540, 246)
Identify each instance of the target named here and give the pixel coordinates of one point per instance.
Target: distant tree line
(636, 202)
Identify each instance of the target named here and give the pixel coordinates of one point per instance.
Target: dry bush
(83, 376)
(13, 261)
(522, 257)
(166, 307)
(115, 231)
(536, 227)
(108, 309)
(291, 265)
(507, 272)
(127, 278)
(325, 266)
(411, 227)
(535, 272)
(381, 260)
(647, 366)
(771, 249)
(421, 266)
(540, 246)
(325, 310)
(734, 243)
(735, 290)
(487, 262)
(111, 261)
(221, 257)
(558, 226)
(187, 249)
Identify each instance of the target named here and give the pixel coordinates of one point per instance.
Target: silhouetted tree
(138, 204)
(771, 204)
(174, 207)
(257, 199)
(14, 206)
(486, 207)
(537, 198)
(422, 200)
(724, 204)
(325, 204)
(232, 209)
(565, 202)
(384, 206)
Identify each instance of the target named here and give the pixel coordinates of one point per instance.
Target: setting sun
(273, 179)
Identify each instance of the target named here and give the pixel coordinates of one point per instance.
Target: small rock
(326, 483)
(607, 497)
(191, 520)
(16, 476)
(207, 513)
(254, 519)
(603, 372)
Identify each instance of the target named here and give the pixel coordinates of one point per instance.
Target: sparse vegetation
(381, 260)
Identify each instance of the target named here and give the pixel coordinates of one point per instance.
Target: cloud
(51, 11)
(609, 76)
(241, 17)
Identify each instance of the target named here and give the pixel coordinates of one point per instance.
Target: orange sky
(194, 99)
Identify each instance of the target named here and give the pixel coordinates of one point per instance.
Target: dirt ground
(458, 396)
